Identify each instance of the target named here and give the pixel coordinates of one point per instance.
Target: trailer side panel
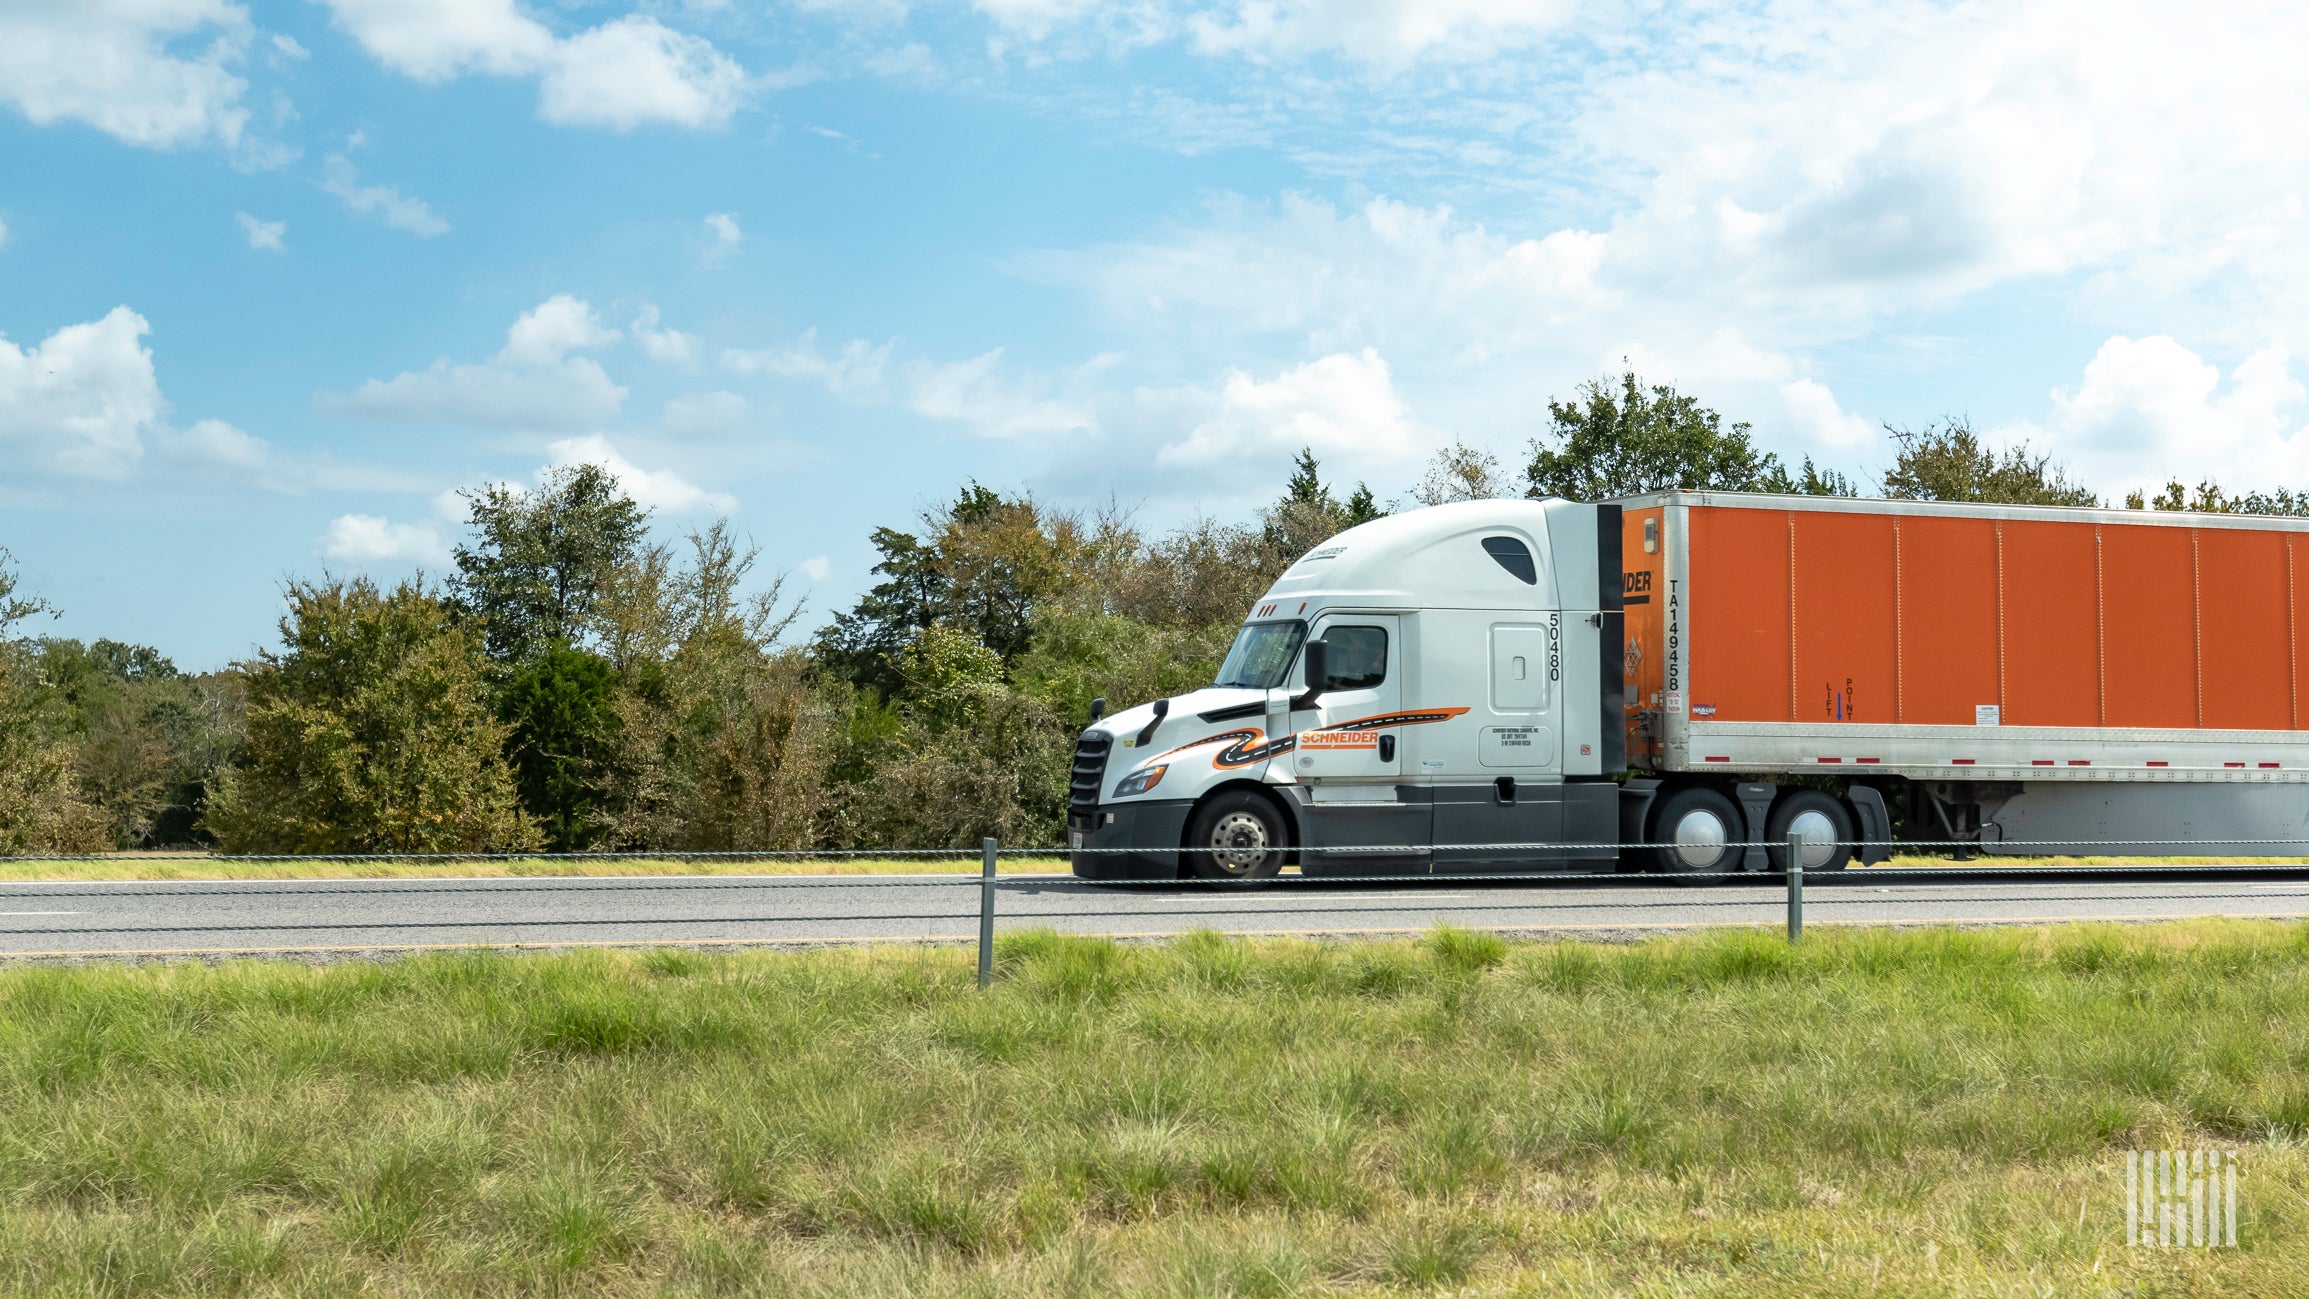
(1946, 620)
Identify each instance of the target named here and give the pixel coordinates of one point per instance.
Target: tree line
(576, 685)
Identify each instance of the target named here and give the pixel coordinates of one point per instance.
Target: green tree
(987, 562)
(1308, 513)
(1949, 462)
(1460, 472)
(860, 644)
(561, 708)
(41, 807)
(370, 731)
(1810, 480)
(1619, 442)
(539, 561)
(2208, 498)
(145, 738)
(723, 738)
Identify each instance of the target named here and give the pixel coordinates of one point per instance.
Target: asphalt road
(354, 916)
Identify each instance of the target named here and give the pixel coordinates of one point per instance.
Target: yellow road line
(1135, 933)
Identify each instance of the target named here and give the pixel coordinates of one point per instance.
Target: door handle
(1386, 748)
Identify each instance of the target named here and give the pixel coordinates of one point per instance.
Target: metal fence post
(1795, 887)
(986, 916)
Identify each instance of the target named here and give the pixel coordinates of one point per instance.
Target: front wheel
(1236, 836)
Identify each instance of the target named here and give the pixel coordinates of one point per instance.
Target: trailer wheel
(1694, 832)
(1236, 836)
(1821, 820)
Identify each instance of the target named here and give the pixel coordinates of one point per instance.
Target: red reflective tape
(1830, 760)
(1715, 759)
(2040, 762)
(2232, 764)
(2160, 764)
(1868, 759)
(2267, 765)
(2080, 762)
(1961, 762)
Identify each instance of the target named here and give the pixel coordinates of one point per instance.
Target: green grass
(1916, 1113)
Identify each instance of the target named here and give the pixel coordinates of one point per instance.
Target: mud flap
(1875, 824)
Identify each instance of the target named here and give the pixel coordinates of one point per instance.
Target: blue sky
(276, 280)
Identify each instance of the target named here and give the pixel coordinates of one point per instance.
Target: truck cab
(1439, 690)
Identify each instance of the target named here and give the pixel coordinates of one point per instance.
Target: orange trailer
(1971, 656)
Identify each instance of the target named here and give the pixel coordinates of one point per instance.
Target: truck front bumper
(1129, 841)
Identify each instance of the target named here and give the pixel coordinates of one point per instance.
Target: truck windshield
(1262, 656)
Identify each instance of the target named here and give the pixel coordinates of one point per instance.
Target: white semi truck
(1653, 683)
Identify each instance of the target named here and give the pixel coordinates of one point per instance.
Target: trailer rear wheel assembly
(1236, 836)
(1821, 820)
(1694, 832)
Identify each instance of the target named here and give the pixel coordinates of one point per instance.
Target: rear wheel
(1820, 820)
(1236, 836)
(1696, 832)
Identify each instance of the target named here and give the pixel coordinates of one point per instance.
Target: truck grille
(1089, 773)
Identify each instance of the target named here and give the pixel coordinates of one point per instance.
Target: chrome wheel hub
(1699, 840)
(1818, 835)
(1239, 841)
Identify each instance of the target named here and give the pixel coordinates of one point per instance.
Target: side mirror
(1318, 665)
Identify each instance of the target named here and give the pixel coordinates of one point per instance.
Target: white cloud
(814, 568)
(80, 403)
(667, 346)
(264, 236)
(975, 392)
(387, 204)
(3, 234)
(552, 329)
(622, 74)
(634, 71)
(706, 415)
(972, 392)
(854, 374)
(108, 63)
(85, 404)
(1386, 274)
(433, 40)
(368, 539)
(1384, 33)
(211, 446)
(1820, 421)
(2149, 410)
(1343, 406)
(288, 48)
(656, 489)
(574, 394)
(722, 229)
(533, 383)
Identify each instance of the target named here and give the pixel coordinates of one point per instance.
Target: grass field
(193, 866)
(1935, 1113)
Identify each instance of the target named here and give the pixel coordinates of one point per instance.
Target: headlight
(1139, 782)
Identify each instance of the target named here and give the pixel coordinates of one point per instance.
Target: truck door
(1516, 796)
(1338, 740)
(1350, 757)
